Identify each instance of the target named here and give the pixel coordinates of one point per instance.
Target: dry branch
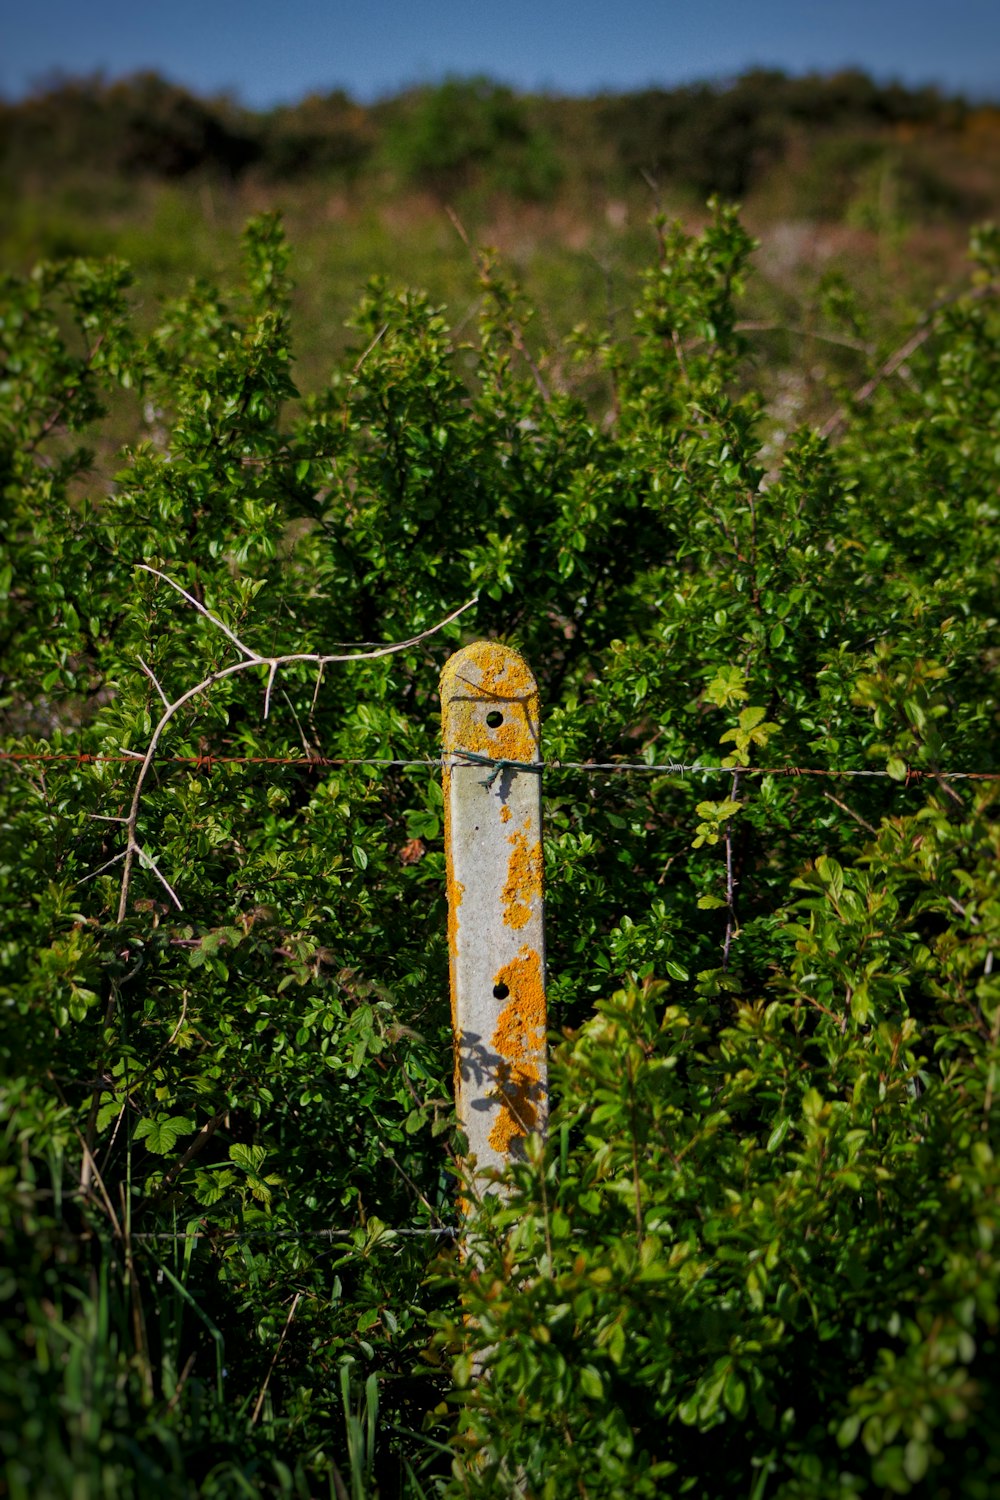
(171, 707)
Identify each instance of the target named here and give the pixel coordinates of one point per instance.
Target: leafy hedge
(756, 1255)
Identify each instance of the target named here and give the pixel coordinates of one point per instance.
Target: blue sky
(268, 51)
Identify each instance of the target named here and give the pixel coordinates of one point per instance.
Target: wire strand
(448, 1231)
(207, 762)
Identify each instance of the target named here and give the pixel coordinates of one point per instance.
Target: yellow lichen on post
(519, 1040)
(482, 676)
(523, 886)
(490, 712)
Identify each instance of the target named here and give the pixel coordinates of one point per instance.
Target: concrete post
(493, 840)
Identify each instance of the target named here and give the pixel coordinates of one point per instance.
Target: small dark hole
(500, 992)
(494, 719)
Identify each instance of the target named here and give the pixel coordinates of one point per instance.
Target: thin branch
(823, 336)
(887, 368)
(199, 1143)
(201, 610)
(957, 906)
(179, 1388)
(850, 812)
(732, 926)
(107, 863)
(679, 351)
(408, 1179)
(153, 679)
(899, 356)
(310, 750)
(315, 696)
(274, 1361)
(151, 864)
(461, 231)
(250, 659)
(267, 691)
(513, 327)
(373, 345)
(357, 368)
(114, 1134)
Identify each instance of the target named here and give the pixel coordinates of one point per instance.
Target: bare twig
(150, 864)
(250, 659)
(153, 679)
(310, 750)
(107, 863)
(315, 696)
(179, 1388)
(438, 1221)
(201, 610)
(823, 335)
(267, 690)
(513, 327)
(732, 926)
(899, 356)
(969, 916)
(373, 345)
(679, 351)
(850, 812)
(274, 1360)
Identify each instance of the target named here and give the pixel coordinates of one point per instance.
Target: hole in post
(500, 991)
(494, 719)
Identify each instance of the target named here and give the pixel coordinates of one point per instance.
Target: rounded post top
(489, 703)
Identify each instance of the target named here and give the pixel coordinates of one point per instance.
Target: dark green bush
(469, 130)
(135, 126)
(725, 137)
(322, 134)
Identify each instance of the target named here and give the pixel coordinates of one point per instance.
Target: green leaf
(161, 1135)
(726, 687)
(831, 874)
(734, 1395)
(751, 717)
(848, 1430)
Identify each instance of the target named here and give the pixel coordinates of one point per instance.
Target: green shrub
(756, 1254)
(467, 131)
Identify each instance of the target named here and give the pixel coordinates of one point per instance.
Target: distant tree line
(462, 132)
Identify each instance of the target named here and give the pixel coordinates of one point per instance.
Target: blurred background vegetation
(842, 179)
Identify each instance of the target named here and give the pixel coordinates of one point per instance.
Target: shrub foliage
(755, 1256)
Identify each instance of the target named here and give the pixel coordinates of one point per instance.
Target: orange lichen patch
(455, 892)
(523, 886)
(519, 1040)
(485, 678)
(505, 814)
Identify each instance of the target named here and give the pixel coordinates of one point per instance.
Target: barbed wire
(222, 1236)
(386, 1233)
(207, 762)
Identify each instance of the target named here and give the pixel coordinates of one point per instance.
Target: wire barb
(498, 764)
